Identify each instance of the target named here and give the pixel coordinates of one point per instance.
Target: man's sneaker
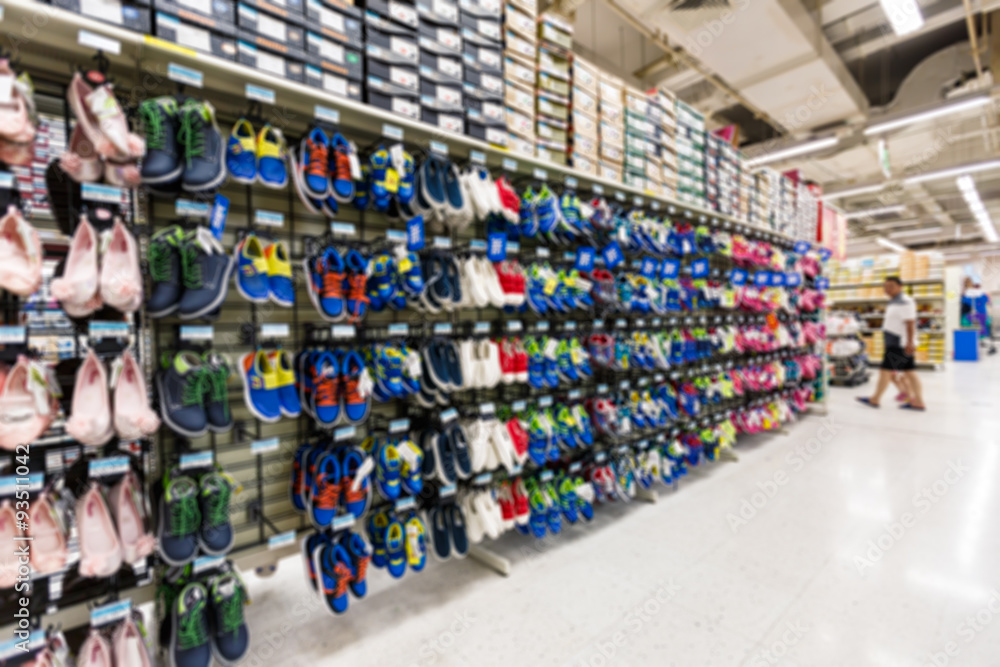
(360, 554)
(190, 641)
(357, 384)
(230, 634)
(288, 397)
(260, 386)
(280, 287)
(205, 268)
(180, 518)
(251, 271)
(336, 574)
(272, 156)
(357, 281)
(457, 527)
(216, 535)
(204, 150)
(241, 160)
(355, 469)
(327, 388)
(326, 489)
(217, 371)
(165, 271)
(395, 548)
(159, 120)
(181, 388)
(342, 183)
(314, 163)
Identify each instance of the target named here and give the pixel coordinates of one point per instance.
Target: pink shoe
(95, 652)
(133, 416)
(15, 117)
(81, 162)
(100, 550)
(77, 288)
(90, 420)
(48, 550)
(129, 649)
(122, 174)
(8, 531)
(26, 407)
(103, 120)
(121, 278)
(130, 517)
(20, 254)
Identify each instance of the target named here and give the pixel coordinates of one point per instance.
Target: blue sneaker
(272, 157)
(241, 153)
(260, 386)
(314, 155)
(230, 636)
(387, 471)
(360, 554)
(378, 525)
(325, 494)
(281, 289)
(356, 385)
(407, 174)
(357, 278)
(296, 489)
(331, 284)
(355, 470)
(564, 363)
(416, 542)
(310, 547)
(190, 636)
(336, 573)
(251, 270)
(340, 169)
(216, 534)
(325, 400)
(180, 517)
(380, 284)
(411, 470)
(288, 396)
(395, 548)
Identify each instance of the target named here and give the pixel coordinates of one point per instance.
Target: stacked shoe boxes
(662, 104)
(787, 203)
(690, 143)
(722, 176)
(209, 27)
(129, 14)
(762, 197)
(611, 127)
(583, 123)
(483, 84)
(640, 139)
(441, 70)
(520, 56)
(555, 43)
(334, 46)
(392, 57)
(747, 187)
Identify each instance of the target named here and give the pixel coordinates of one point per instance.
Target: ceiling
(788, 71)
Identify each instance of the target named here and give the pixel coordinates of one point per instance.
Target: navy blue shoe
(217, 371)
(456, 528)
(453, 365)
(204, 149)
(437, 518)
(159, 118)
(165, 271)
(460, 448)
(190, 643)
(181, 390)
(206, 270)
(444, 457)
(179, 519)
(230, 634)
(216, 536)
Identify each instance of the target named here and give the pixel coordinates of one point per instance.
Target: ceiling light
(915, 232)
(807, 147)
(904, 15)
(930, 114)
(892, 224)
(961, 255)
(886, 243)
(854, 191)
(953, 171)
(975, 204)
(869, 212)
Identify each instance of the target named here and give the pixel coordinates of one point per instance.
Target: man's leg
(914, 389)
(884, 377)
(899, 380)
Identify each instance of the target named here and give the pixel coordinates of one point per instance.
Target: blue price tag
(671, 268)
(584, 258)
(825, 254)
(612, 254)
(496, 248)
(650, 267)
(822, 283)
(802, 247)
(415, 234)
(738, 277)
(777, 279)
(761, 279)
(699, 268)
(793, 279)
(220, 211)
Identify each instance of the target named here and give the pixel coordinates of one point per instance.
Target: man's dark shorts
(896, 359)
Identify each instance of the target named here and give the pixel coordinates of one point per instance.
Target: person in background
(976, 306)
(899, 328)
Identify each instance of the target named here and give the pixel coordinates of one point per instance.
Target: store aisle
(878, 548)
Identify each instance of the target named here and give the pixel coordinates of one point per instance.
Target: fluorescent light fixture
(915, 232)
(869, 212)
(865, 189)
(961, 255)
(904, 15)
(975, 204)
(889, 245)
(953, 171)
(930, 114)
(792, 151)
(892, 224)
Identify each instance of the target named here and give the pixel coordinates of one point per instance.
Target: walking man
(899, 328)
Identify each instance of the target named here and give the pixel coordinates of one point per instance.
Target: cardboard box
(584, 145)
(441, 97)
(529, 7)
(177, 31)
(405, 105)
(585, 76)
(555, 30)
(612, 134)
(520, 49)
(521, 145)
(289, 10)
(612, 113)
(554, 64)
(441, 39)
(521, 124)
(399, 12)
(216, 15)
(393, 79)
(332, 83)
(486, 8)
(584, 101)
(333, 57)
(334, 24)
(521, 23)
(486, 112)
(608, 153)
(496, 135)
(551, 84)
(482, 30)
(485, 86)
(611, 172)
(395, 49)
(441, 12)
(130, 16)
(514, 71)
(551, 132)
(583, 124)
(482, 58)
(551, 153)
(452, 122)
(583, 164)
(441, 68)
(272, 63)
(553, 107)
(518, 98)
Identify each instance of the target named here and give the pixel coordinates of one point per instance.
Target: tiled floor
(883, 548)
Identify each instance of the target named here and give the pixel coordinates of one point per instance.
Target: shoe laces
(329, 494)
(193, 631)
(356, 292)
(230, 611)
(159, 261)
(326, 390)
(361, 570)
(217, 506)
(192, 133)
(343, 576)
(191, 267)
(342, 165)
(151, 119)
(193, 390)
(333, 285)
(317, 158)
(184, 515)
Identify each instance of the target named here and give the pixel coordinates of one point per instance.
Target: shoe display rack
(505, 351)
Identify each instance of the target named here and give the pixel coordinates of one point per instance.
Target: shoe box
(196, 36)
(520, 124)
(556, 31)
(553, 107)
(485, 109)
(445, 120)
(135, 16)
(392, 57)
(215, 15)
(551, 152)
(333, 83)
(441, 38)
(519, 99)
(441, 69)
(517, 73)
(443, 97)
(341, 23)
(587, 165)
(484, 58)
(520, 145)
(482, 29)
(266, 60)
(483, 84)
(335, 57)
(608, 171)
(266, 31)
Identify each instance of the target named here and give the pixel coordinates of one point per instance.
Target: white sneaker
(77, 289)
(20, 254)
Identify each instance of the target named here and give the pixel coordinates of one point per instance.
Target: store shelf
(879, 283)
(294, 100)
(861, 299)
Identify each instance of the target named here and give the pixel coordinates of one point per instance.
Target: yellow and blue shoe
(251, 270)
(241, 153)
(279, 275)
(272, 156)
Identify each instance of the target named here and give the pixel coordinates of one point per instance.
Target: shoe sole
(169, 177)
(163, 313)
(170, 422)
(215, 303)
(217, 181)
